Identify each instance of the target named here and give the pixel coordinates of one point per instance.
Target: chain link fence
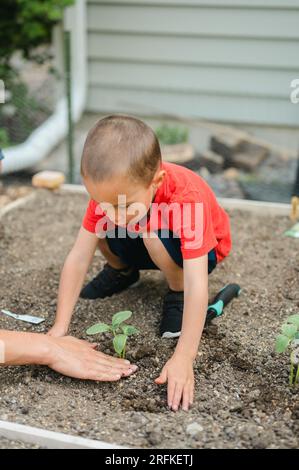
(30, 98)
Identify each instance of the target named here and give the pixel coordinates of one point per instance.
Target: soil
(11, 193)
(242, 395)
(9, 444)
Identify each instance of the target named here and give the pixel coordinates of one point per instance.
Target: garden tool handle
(228, 293)
(223, 297)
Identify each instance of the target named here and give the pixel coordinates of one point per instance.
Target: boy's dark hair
(120, 145)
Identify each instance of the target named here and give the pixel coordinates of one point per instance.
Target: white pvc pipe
(42, 141)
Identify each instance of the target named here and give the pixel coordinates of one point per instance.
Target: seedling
(289, 337)
(120, 330)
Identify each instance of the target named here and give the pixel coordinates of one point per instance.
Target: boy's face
(122, 199)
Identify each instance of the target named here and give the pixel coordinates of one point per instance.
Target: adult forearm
(68, 356)
(17, 348)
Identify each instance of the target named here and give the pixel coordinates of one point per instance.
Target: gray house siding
(222, 60)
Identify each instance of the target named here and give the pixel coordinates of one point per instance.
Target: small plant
(172, 135)
(120, 330)
(289, 337)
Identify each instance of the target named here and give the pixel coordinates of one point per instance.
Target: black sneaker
(172, 314)
(109, 281)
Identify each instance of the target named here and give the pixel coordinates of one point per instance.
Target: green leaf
(120, 317)
(289, 330)
(282, 343)
(98, 328)
(294, 319)
(129, 330)
(119, 343)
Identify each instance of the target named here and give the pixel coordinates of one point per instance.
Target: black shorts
(133, 252)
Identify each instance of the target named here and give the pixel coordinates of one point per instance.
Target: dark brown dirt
(242, 395)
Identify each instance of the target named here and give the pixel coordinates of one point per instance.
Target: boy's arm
(195, 305)
(178, 371)
(72, 278)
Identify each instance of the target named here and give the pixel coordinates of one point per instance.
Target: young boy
(145, 214)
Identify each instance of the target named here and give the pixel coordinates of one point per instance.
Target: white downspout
(42, 141)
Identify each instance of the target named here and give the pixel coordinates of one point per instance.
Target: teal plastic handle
(224, 296)
(217, 308)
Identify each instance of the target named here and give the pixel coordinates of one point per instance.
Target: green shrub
(4, 138)
(169, 135)
(26, 24)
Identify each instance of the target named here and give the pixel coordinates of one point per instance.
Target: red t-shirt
(184, 204)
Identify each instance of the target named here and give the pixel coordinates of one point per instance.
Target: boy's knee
(102, 241)
(103, 245)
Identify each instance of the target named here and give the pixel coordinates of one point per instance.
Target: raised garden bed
(242, 395)
(9, 194)
(9, 444)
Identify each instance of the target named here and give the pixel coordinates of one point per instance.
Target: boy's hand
(178, 372)
(57, 331)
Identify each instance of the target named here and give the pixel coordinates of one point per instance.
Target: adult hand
(77, 358)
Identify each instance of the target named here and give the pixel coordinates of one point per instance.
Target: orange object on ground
(48, 179)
